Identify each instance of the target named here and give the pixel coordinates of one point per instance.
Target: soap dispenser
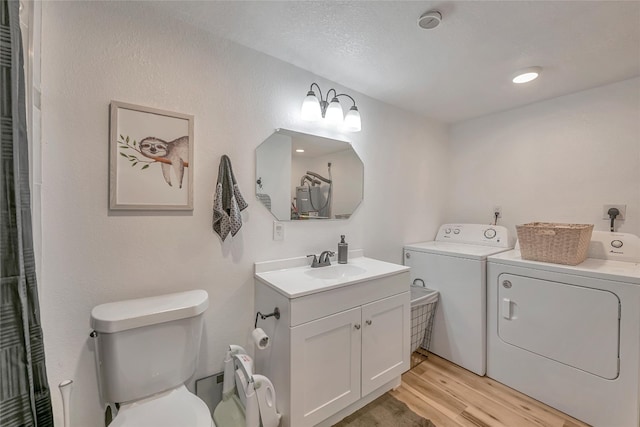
(343, 250)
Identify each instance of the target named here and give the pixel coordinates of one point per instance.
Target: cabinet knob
(368, 322)
(357, 326)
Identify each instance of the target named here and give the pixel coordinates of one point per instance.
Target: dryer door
(570, 324)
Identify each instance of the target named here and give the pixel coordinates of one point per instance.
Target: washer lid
(135, 313)
(460, 250)
(177, 407)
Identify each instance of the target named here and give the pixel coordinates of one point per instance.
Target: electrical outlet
(621, 208)
(278, 230)
(497, 209)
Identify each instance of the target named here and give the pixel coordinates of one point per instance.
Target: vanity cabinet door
(325, 367)
(385, 340)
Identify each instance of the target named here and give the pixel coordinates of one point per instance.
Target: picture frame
(151, 158)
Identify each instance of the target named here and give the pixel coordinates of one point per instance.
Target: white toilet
(145, 351)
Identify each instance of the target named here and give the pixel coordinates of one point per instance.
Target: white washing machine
(455, 265)
(569, 336)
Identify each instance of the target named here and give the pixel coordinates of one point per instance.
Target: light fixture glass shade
(527, 75)
(352, 120)
(334, 112)
(310, 110)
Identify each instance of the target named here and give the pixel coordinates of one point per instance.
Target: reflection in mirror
(301, 176)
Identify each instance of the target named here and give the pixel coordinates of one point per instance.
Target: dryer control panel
(475, 234)
(623, 247)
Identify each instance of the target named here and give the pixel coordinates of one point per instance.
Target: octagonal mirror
(307, 177)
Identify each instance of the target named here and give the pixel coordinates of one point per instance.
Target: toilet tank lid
(135, 313)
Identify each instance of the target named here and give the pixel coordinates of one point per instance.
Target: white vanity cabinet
(325, 366)
(339, 358)
(334, 350)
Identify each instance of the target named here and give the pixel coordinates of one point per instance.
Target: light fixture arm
(348, 96)
(319, 90)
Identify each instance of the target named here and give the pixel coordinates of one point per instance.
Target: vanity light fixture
(299, 150)
(527, 75)
(314, 108)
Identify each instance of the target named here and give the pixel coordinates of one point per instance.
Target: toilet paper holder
(276, 314)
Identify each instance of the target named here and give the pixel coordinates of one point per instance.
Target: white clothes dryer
(569, 336)
(455, 265)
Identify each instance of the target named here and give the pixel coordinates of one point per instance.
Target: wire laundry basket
(424, 302)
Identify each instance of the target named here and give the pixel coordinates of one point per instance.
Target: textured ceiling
(460, 70)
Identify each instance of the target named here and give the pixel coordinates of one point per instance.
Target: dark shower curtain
(24, 392)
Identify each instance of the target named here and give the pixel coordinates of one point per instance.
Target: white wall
(559, 160)
(95, 52)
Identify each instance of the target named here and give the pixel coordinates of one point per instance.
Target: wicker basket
(556, 243)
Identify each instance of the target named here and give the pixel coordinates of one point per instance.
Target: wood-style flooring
(449, 395)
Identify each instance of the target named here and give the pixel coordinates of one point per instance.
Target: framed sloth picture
(151, 159)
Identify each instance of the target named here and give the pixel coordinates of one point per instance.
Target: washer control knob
(490, 233)
(616, 244)
(456, 231)
(447, 231)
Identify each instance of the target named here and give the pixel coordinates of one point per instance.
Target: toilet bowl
(146, 349)
(177, 407)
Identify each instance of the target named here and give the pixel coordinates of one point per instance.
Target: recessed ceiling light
(527, 75)
(299, 150)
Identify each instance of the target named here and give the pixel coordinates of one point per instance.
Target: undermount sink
(337, 271)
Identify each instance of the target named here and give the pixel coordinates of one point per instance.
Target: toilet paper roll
(260, 338)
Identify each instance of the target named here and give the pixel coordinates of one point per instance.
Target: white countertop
(290, 276)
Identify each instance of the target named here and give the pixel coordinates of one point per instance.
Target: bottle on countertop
(343, 250)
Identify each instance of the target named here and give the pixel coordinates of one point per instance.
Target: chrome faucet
(324, 260)
(314, 263)
(321, 261)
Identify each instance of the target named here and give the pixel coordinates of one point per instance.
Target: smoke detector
(430, 20)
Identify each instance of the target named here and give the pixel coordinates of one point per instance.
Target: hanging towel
(265, 199)
(228, 201)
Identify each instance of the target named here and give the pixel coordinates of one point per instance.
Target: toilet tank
(147, 345)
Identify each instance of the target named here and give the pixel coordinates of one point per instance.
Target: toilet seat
(176, 407)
